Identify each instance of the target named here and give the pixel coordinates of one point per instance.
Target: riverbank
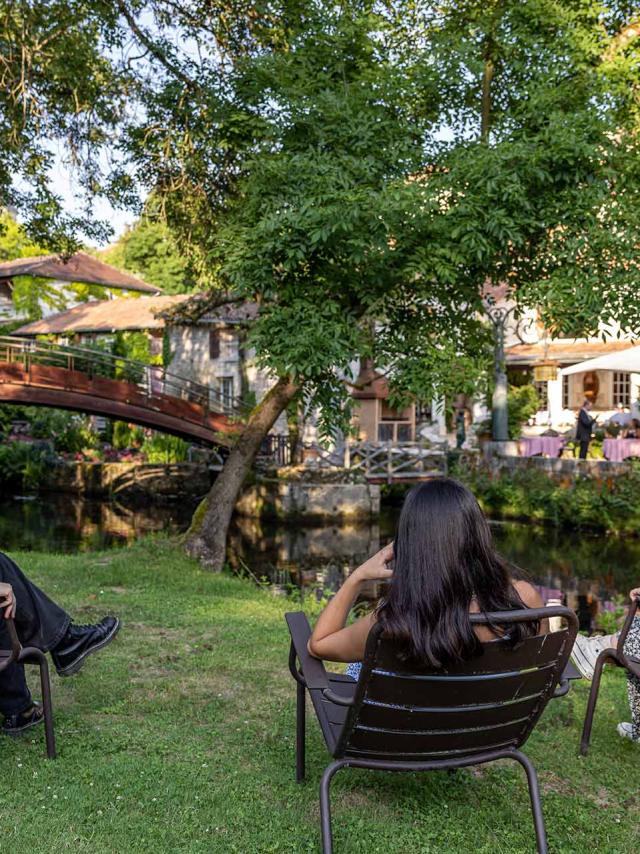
(180, 737)
(598, 498)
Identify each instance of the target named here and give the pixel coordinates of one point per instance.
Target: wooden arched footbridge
(86, 380)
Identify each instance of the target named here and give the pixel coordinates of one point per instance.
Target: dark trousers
(584, 447)
(39, 622)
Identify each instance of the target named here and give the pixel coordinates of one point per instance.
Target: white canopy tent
(622, 360)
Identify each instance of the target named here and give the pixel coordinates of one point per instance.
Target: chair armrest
(626, 626)
(568, 675)
(16, 646)
(312, 670)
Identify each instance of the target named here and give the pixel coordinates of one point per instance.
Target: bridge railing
(149, 379)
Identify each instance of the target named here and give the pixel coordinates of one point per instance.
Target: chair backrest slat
(403, 710)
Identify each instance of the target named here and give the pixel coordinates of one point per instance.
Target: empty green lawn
(180, 738)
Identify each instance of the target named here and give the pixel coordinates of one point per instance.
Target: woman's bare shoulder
(528, 593)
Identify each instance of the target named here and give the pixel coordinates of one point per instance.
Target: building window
(541, 386)
(621, 388)
(565, 392)
(214, 344)
(226, 392)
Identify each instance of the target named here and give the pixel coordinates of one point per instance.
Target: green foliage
(60, 91)
(68, 432)
(149, 250)
(126, 436)
(585, 502)
(23, 465)
(610, 621)
(523, 402)
(162, 448)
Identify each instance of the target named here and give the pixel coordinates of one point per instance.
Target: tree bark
(485, 110)
(206, 539)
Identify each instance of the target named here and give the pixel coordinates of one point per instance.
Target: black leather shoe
(81, 641)
(22, 721)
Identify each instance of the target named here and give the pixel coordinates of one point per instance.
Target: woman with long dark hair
(444, 568)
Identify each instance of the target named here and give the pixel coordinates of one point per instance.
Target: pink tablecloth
(550, 446)
(618, 449)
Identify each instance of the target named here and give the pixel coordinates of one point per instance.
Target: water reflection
(586, 571)
(69, 523)
(583, 570)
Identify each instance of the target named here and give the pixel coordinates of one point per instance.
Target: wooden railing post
(347, 453)
(389, 463)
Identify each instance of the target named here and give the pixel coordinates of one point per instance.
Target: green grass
(180, 738)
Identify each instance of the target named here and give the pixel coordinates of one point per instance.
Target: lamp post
(498, 315)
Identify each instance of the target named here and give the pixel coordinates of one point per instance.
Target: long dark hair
(444, 557)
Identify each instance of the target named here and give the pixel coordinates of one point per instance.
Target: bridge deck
(46, 385)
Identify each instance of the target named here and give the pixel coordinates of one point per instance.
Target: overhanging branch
(153, 48)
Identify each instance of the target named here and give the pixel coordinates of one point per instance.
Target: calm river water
(586, 568)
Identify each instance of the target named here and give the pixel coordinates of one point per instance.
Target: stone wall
(150, 482)
(556, 467)
(282, 498)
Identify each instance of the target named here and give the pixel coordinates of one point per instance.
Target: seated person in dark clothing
(40, 623)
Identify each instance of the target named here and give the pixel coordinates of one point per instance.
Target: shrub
(585, 502)
(162, 448)
(126, 435)
(522, 402)
(24, 465)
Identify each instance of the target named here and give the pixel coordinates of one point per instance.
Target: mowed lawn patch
(180, 738)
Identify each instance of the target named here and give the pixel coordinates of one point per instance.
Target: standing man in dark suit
(584, 428)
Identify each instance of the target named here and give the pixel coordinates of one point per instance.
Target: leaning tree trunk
(206, 539)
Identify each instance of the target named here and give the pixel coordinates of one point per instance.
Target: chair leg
(536, 806)
(300, 732)
(325, 804)
(47, 705)
(591, 706)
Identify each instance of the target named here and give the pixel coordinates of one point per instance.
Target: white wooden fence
(386, 461)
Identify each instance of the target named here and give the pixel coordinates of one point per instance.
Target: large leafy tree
(293, 169)
(371, 166)
(375, 165)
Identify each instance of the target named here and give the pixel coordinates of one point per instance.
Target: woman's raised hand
(7, 600)
(634, 594)
(376, 569)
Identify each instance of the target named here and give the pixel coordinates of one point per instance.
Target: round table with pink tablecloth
(549, 446)
(619, 449)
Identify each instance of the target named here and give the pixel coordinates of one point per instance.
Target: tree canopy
(372, 166)
(363, 170)
(62, 93)
(149, 250)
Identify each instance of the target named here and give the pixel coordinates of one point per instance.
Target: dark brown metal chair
(31, 655)
(402, 717)
(616, 657)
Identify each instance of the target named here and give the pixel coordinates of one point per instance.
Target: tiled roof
(78, 268)
(125, 313)
(567, 352)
